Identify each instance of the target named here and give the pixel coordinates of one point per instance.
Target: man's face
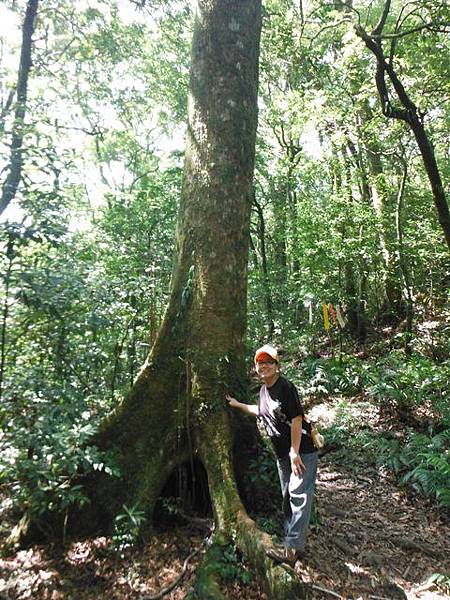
(266, 368)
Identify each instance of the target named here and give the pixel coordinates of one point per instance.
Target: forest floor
(374, 541)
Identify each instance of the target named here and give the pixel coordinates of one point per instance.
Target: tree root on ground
(18, 532)
(280, 581)
(207, 584)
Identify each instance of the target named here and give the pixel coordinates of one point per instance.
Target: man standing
(281, 414)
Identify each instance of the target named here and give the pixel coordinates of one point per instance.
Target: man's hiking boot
(280, 555)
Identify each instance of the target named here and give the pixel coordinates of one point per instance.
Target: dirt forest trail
(373, 541)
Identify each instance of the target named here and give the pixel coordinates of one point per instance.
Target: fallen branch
(197, 522)
(321, 589)
(178, 580)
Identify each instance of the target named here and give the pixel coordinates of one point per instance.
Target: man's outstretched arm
(249, 409)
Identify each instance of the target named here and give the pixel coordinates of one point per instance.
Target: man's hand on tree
(232, 401)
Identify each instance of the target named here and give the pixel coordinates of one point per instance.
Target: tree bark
(12, 181)
(355, 274)
(402, 261)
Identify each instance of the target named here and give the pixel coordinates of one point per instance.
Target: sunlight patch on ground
(423, 592)
(327, 414)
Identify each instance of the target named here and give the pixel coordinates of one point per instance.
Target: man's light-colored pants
(298, 493)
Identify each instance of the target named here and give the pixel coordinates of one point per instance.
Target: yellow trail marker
(326, 321)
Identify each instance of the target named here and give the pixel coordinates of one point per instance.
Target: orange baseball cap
(266, 352)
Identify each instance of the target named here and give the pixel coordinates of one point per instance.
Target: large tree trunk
(177, 402)
(176, 408)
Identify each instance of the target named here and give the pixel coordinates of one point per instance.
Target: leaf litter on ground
(373, 540)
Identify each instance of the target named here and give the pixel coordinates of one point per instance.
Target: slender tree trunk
(351, 296)
(362, 299)
(363, 183)
(409, 113)
(402, 261)
(434, 176)
(264, 269)
(5, 313)
(12, 181)
(340, 165)
(293, 155)
(355, 278)
(384, 209)
(280, 234)
(386, 233)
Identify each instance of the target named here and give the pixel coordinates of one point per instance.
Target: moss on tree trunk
(177, 402)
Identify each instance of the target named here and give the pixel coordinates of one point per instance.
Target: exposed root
(18, 533)
(207, 585)
(326, 591)
(280, 581)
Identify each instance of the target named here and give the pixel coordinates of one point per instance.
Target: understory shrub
(323, 377)
(44, 447)
(127, 527)
(394, 380)
(232, 568)
(262, 481)
(411, 382)
(421, 460)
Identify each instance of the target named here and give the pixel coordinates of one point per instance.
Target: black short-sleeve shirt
(278, 405)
